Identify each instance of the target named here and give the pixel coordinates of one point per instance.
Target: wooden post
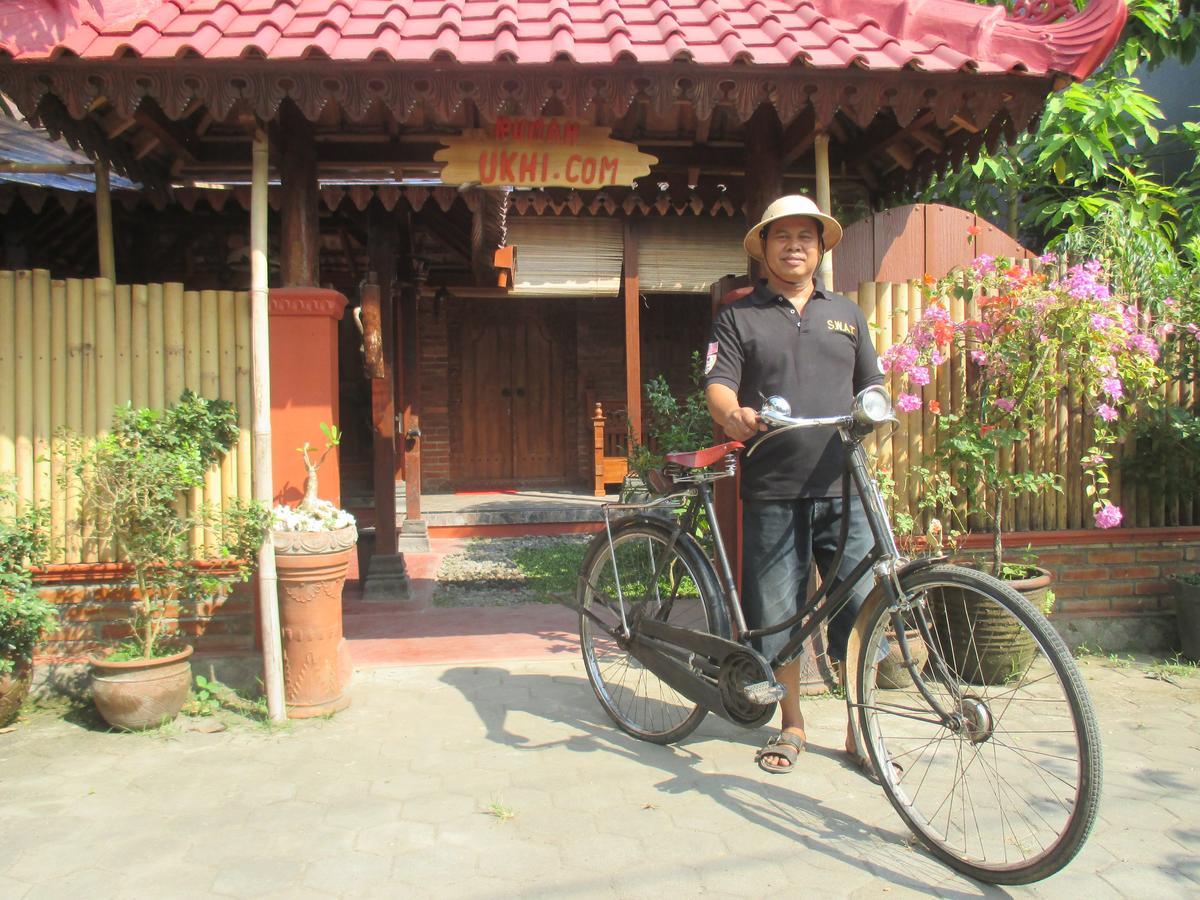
(598, 449)
(75, 404)
(104, 222)
(58, 417)
(409, 340)
(43, 421)
(299, 210)
(633, 336)
(381, 251)
(156, 360)
(139, 363)
(268, 596)
(824, 201)
(23, 433)
(245, 400)
(8, 379)
(764, 165)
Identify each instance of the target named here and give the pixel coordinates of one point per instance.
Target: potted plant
(313, 542)
(133, 482)
(1186, 590)
(24, 615)
(1040, 332)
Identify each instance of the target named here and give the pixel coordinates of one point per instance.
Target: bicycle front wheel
(1005, 786)
(643, 575)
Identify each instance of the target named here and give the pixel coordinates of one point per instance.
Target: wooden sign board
(541, 152)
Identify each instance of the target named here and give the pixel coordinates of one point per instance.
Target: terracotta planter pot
(141, 693)
(988, 644)
(14, 688)
(1187, 615)
(316, 662)
(892, 674)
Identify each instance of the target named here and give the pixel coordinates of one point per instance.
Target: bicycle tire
(635, 699)
(1014, 768)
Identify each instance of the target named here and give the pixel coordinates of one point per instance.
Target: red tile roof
(930, 35)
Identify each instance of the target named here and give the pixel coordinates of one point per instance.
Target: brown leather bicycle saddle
(702, 459)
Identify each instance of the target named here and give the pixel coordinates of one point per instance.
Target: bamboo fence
(891, 309)
(71, 351)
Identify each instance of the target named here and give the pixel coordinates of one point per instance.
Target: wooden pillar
(633, 335)
(104, 222)
(764, 164)
(824, 201)
(381, 249)
(299, 210)
(409, 339)
(268, 597)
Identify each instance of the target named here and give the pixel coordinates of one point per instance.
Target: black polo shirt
(818, 361)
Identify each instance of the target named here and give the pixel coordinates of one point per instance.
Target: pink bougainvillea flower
(908, 402)
(919, 375)
(1108, 516)
(1005, 403)
(1106, 412)
(1112, 387)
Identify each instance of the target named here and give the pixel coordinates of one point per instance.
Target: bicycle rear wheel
(1006, 788)
(684, 593)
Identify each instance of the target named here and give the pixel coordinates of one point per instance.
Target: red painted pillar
(304, 386)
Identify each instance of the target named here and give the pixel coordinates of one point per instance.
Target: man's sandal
(786, 746)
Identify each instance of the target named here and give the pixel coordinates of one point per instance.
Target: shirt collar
(764, 296)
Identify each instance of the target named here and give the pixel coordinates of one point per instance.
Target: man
(793, 339)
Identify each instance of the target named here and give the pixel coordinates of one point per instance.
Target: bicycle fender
(877, 598)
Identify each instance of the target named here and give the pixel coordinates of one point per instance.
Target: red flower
(984, 429)
(929, 279)
(935, 407)
(973, 230)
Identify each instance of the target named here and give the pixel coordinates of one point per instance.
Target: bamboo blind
(70, 351)
(891, 309)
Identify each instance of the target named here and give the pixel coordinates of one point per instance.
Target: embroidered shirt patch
(711, 359)
(843, 327)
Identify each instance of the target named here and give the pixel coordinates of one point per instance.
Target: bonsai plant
(133, 482)
(313, 542)
(24, 615)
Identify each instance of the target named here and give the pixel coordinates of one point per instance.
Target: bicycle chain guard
(683, 657)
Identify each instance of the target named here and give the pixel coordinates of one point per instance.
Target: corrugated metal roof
(19, 142)
(930, 35)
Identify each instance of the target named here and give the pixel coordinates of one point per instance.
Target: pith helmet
(791, 205)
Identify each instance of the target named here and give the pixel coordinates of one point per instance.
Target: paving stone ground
(506, 779)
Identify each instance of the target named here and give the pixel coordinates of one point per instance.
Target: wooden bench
(610, 445)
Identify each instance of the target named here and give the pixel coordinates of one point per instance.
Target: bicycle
(999, 780)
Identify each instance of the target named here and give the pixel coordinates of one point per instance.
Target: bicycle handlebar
(781, 421)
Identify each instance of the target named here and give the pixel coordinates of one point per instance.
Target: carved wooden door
(513, 425)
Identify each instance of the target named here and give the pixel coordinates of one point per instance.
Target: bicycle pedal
(764, 692)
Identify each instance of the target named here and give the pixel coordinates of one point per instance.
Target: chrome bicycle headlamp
(873, 405)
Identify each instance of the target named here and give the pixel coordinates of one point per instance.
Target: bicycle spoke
(999, 790)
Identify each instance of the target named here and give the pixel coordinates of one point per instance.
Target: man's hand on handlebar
(743, 423)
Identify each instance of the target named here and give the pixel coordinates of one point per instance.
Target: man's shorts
(780, 540)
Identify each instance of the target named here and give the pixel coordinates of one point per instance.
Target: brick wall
(94, 613)
(1111, 587)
